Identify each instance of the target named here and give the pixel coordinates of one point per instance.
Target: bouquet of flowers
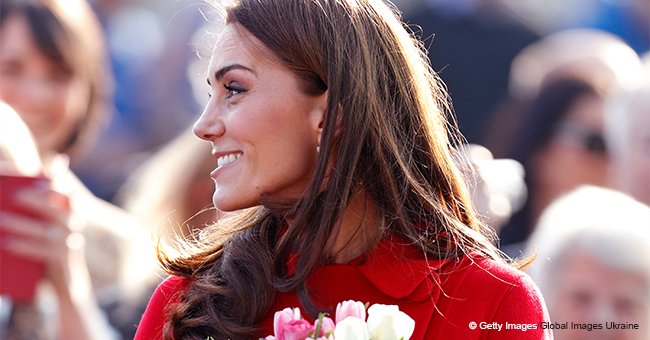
(385, 322)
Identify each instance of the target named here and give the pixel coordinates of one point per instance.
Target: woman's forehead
(237, 45)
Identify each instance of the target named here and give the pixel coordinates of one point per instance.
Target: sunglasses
(586, 138)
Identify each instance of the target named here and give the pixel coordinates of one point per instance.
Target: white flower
(351, 328)
(387, 322)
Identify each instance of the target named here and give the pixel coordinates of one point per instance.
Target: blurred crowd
(98, 97)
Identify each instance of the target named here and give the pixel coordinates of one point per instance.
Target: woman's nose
(209, 126)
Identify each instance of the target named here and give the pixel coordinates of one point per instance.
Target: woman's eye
(233, 89)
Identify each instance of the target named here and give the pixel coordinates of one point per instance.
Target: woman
(52, 73)
(330, 128)
(557, 94)
(561, 146)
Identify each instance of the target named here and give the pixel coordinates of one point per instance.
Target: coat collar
(395, 267)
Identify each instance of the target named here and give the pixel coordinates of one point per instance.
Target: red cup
(19, 276)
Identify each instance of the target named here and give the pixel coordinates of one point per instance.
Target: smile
(226, 159)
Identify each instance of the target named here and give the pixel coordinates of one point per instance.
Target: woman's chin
(226, 203)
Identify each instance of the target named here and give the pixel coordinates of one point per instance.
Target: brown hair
(385, 131)
(68, 32)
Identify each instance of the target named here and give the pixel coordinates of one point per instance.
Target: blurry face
(574, 156)
(264, 130)
(587, 291)
(47, 96)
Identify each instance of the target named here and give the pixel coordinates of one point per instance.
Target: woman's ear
(318, 116)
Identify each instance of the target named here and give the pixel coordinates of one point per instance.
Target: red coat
(443, 299)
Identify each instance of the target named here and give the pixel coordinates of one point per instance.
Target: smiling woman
(330, 133)
(256, 112)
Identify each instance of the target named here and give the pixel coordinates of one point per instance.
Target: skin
(563, 165)
(591, 292)
(258, 109)
(47, 95)
(262, 115)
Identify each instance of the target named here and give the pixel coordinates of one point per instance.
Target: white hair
(610, 226)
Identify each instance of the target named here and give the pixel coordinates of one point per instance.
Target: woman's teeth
(223, 160)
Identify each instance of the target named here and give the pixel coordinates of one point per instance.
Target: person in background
(598, 58)
(77, 315)
(560, 113)
(330, 134)
(593, 264)
(18, 157)
(561, 146)
(53, 74)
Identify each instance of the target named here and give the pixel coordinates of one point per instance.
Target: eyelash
(233, 90)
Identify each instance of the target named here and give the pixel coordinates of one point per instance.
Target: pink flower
(283, 317)
(288, 325)
(351, 308)
(326, 329)
(295, 330)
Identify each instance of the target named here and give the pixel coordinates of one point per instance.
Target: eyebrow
(222, 71)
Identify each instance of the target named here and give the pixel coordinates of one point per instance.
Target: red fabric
(154, 317)
(442, 298)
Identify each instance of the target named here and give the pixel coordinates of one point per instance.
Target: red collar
(402, 271)
(398, 269)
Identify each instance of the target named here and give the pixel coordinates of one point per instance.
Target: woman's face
(46, 94)
(574, 156)
(264, 130)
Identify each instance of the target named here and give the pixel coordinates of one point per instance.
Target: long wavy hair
(386, 132)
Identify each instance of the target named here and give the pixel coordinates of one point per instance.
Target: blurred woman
(561, 145)
(53, 73)
(559, 91)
